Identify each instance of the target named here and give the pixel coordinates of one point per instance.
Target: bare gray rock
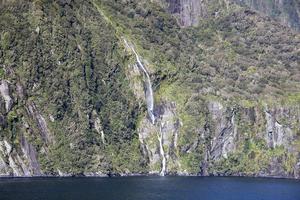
(31, 155)
(276, 133)
(41, 122)
(224, 133)
(189, 12)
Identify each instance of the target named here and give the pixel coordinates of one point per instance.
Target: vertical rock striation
(13, 163)
(276, 133)
(41, 122)
(225, 129)
(286, 11)
(189, 12)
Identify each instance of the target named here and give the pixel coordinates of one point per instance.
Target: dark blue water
(149, 188)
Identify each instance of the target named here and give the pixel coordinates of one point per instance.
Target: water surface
(149, 188)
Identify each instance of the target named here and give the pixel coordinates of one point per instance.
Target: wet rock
(5, 94)
(159, 141)
(224, 130)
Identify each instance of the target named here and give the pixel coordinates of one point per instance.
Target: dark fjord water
(149, 188)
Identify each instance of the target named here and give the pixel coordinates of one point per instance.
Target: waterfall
(162, 152)
(148, 84)
(150, 105)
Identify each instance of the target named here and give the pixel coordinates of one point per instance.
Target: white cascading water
(149, 91)
(150, 105)
(162, 152)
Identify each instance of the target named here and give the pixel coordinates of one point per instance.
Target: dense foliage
(68, 58)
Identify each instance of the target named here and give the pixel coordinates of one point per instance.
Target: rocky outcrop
(276, 133)
(189, 12)
(5, 149)
(30, 154)
(13, 163)
(40, 121)
(225, 130)
(223, 136)
(159, 141)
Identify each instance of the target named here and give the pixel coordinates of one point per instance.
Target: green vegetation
(70, 61)
(71, 67)
(255, 158)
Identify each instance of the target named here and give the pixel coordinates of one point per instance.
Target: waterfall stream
(148, 92)
(162, 152)
(150, 104)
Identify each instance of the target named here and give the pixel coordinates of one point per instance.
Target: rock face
(286, 11)
(31, 155)
(276, 133)
(190, 12)
(41, 122)
(147, 81)
(224, 135)
(17, 160)
(159, 140)
(225, 129)
(15, 164)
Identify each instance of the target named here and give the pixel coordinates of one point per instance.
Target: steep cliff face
(287, 12)
(58, 70)
(258, 135)
(104, 87)
(232, 141)
(19, 164)
(190, 12)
